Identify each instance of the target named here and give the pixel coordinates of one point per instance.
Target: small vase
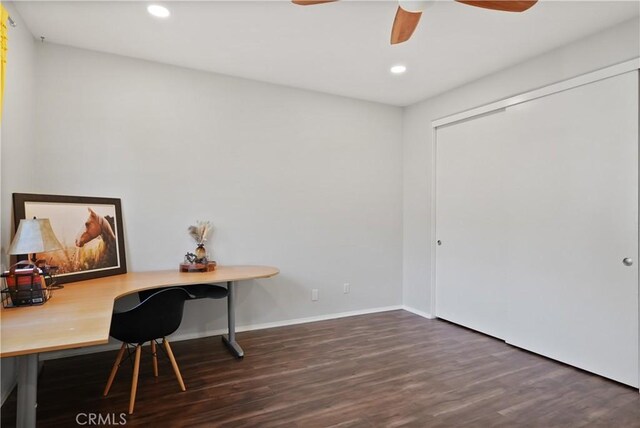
(200, 252)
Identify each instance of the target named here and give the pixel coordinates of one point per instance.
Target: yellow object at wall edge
(4, 16)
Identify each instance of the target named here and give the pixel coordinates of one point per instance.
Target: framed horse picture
(89, 229)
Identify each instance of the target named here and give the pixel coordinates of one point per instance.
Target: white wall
(17, 143)
(607, 48)
(307, 182)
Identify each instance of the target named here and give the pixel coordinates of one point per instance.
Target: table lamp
(34, 236)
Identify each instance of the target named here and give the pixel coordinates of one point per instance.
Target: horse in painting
(98, 226)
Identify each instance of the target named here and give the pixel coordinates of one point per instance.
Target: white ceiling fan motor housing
(414, 5)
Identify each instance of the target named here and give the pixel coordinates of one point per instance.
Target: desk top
(79, 315)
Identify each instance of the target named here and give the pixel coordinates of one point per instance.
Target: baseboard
(200, 334)
(318, 318)
(418, 312)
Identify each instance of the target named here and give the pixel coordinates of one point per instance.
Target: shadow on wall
(204, 317)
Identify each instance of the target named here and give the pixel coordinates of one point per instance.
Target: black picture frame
(104, 260)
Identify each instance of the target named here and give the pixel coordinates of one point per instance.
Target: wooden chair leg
(134, 381)
(155, 358)
(176, 370)
(114, 370)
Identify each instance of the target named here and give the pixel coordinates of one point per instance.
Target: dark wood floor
(382, 370)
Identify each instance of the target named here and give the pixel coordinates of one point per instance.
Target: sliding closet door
(574, 219)
(470, 220)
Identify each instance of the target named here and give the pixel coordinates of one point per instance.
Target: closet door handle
(627, 261)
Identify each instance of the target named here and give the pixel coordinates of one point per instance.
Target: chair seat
(207, 291)
(198, 291)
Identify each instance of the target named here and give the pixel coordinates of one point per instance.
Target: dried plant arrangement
(200, 232)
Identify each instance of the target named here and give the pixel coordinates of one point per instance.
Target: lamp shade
(34, 236)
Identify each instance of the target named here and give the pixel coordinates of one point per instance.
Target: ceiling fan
(409, 12)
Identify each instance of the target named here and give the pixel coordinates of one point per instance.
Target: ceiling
(339, 48)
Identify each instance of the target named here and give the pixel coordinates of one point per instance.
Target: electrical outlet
(314, 294)
(347, 288)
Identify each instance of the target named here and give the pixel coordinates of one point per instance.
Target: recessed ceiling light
(158, 11)
(398, 69)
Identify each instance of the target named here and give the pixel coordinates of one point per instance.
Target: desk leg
(230, 340)
(27, 390)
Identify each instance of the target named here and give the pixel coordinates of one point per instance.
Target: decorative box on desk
(198, 267)
(26, 286)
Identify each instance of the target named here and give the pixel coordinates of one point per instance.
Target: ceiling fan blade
(404, 25)
(310, 2)
(506, 6)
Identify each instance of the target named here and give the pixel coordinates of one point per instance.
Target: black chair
(156, 317)
(197, 291)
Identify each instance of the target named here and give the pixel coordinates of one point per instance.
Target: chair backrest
(157, 316)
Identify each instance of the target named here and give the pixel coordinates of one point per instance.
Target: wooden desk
(79, 315)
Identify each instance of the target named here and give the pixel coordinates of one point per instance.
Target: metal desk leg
(230, 340)
(27, 390)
